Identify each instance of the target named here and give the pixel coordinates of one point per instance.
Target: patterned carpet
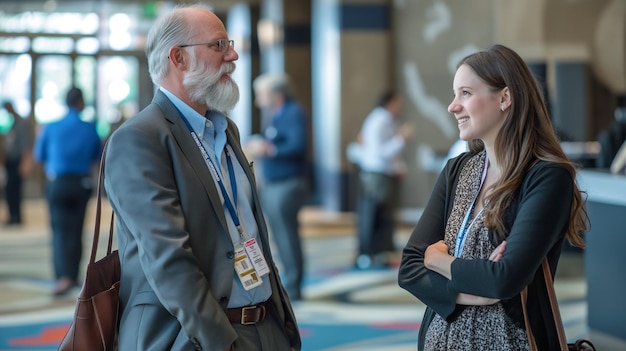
(344, 309)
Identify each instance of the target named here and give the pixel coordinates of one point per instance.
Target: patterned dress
(477, 327)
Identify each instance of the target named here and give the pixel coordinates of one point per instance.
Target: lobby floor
(343, 308)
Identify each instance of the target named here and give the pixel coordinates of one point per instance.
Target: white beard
(205, 87)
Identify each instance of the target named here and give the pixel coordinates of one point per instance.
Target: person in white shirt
(381, 169)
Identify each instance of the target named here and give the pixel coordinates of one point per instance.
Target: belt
(248, 314)
(52, 176)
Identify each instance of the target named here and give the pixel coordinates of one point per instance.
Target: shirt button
(230, 254)
(223, 300)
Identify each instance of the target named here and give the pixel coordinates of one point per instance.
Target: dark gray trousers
(375, 213)
(282, 200)
(264, 336)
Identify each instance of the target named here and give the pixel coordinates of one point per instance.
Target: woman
(494, 214)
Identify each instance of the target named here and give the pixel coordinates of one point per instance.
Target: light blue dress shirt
(211, 131)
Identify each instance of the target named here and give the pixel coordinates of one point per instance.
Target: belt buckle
(243, 314)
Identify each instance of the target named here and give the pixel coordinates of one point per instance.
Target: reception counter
(605, 255)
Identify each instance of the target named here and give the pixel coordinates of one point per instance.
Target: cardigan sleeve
(430, 287)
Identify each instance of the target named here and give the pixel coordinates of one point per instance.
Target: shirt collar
(73, 112)
(196, 120)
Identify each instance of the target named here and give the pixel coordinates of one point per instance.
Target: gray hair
(273, 82)
(169, 30)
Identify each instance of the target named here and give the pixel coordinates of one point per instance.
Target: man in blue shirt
(68, 149)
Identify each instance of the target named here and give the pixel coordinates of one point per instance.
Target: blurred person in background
(381, 169)
(612, 137)
(283, 152)
(69, 149)
(18, 161)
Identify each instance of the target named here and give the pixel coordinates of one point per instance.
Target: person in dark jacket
(18, 162)
(283, 152)
(612, 138)
(496, 211)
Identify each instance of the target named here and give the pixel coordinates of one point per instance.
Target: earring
(502, 108)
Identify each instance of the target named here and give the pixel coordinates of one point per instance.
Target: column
(352, 57)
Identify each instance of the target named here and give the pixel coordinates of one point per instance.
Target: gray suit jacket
(175, 250)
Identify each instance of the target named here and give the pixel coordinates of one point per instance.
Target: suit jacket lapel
(190, 150)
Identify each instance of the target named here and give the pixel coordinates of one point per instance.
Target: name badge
(256, 255)
(245, 270)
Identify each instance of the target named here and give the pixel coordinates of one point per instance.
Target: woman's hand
(437, 259)
(496, 255)
(473, 300)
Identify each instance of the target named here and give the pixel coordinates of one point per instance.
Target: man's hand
(26, 165)
(406, 131)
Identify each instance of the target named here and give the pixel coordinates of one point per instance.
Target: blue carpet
(327, 322)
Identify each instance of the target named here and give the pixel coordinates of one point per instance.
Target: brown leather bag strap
(554, 306)
(529, 331)
(96, 231)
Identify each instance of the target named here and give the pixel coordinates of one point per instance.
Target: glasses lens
(225, 44)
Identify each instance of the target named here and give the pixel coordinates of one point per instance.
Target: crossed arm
(437, 259)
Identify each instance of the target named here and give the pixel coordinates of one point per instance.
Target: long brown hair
(526, 136)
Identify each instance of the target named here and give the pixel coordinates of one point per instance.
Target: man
(283, 154)
(18, 162)
(69, 149)
(197, 273)
(381, 169)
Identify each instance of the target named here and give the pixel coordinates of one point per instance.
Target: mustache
(227, 68)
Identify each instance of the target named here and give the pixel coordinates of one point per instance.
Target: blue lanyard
(460, 239)
(231, 174)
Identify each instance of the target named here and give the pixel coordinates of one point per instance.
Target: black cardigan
(536, 221)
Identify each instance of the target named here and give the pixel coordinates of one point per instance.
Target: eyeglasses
(222, 45)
